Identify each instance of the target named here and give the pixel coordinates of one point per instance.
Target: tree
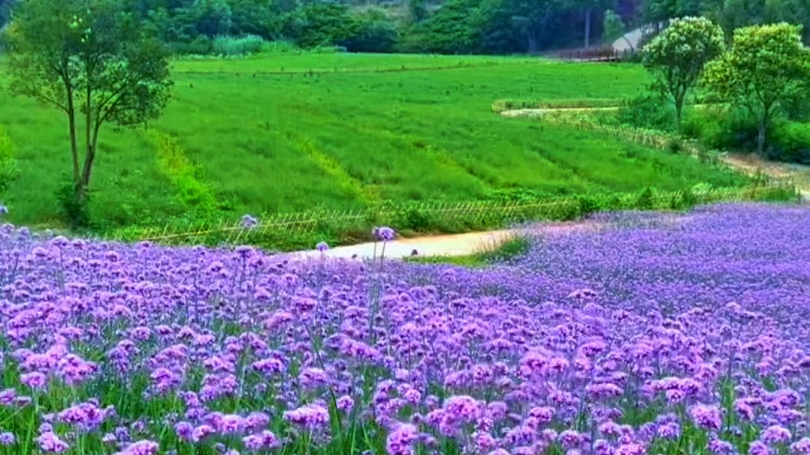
(5, 9)
(417, 9)
(212, 17)
(677, 57)
(91, 61)
(766, 70)
(614, 28)
(532, 18)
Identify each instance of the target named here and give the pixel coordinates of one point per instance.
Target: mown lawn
(341, 131)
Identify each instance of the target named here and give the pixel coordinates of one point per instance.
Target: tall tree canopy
(677, 56)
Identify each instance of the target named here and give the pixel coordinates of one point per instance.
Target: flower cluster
(657, 334)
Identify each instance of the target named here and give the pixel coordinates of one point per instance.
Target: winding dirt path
(461, 244)
(445, 245)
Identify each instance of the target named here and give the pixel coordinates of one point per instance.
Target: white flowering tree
(677, 57)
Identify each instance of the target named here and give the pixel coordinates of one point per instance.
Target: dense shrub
(201, 45)
(721, 129)
(734, 129)
(8, 164)
(371, 33)
(647, 111)
(229, 46)
(281, 47)
(318, 24)
(74, 209)
(790, 142)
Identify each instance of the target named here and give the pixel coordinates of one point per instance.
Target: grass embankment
(297, 132)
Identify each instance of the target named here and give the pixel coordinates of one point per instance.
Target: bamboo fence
(482, 213)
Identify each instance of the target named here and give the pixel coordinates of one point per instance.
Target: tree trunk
(587, 27)
(761, 129)
(74, 146)
(532, 41)
(88, 168)
(87, 172)
(88, 143)
(679, 99)
(678, 112)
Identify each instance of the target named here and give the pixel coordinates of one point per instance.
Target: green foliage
(198, 199)
(513, 247)
(449, 31)
(613, 26)
(734, 14)
(645, 199)
(283, 234)
(790, 142)
(228, 46)
(721, 128)
(647, 111)
(319, 24)
(91, 61)
(574, 103)
(766, 67)
(676, 57)
(74, 205)
(189, 27)
(211, 17)
(8, 164)
(372, 31)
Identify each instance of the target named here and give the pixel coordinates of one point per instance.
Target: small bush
(735, 129)
(74, 209)
(674, 146)
(416, 220)
(646, 199)
(281, 47)
(8, 164)
(372, 36)
(789, 142)
(200, 46)
(511, 248)
(588, 205)
(721, 129)
(647, 111)
(229, 46)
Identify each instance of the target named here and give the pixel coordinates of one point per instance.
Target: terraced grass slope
(287, 133)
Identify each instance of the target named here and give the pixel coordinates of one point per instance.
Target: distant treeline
(425, 26)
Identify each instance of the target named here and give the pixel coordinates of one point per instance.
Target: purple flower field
(652, 336)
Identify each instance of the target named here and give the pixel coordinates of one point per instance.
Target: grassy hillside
(294, 132)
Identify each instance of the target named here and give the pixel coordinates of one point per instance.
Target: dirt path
(445, 245)
(539, 111)
(458, 244)
(752, 164)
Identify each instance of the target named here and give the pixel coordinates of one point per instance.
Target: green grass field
(296, 132)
